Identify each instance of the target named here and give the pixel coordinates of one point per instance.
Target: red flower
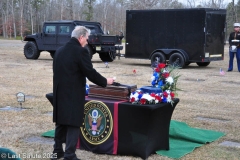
(165, 94)
(157, 69)
(172, 94)
(152, 94)
(161, 65)
(132, 99)
(165, 75)
(134, 71)
(158, 98)
(143, 101)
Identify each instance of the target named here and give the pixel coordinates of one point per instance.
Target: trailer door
(214, 35)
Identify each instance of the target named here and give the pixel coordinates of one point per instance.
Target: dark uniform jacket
(71, 66)
(232, 36)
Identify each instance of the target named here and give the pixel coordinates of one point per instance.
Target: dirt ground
(208, 100)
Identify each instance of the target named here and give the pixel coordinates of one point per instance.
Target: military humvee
(57, 33)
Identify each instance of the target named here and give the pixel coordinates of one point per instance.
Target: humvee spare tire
(107, 57)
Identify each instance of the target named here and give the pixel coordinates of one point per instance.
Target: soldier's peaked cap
(236, 24)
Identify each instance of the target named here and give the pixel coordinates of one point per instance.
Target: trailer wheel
(90, 51)
(52, 54)
(156, 58)
(107, 57)
(176, 59)
(203, 64)
(31, 51)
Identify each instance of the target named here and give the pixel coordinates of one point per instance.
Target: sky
(198, 1)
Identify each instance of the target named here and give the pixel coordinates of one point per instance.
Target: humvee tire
(31, 51)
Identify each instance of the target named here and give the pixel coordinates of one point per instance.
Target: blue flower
(87, 89)
(156, 75)
(140, 96)
(153, 83)
(164, 100)
(160, 83)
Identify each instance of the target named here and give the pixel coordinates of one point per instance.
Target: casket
(115, 91)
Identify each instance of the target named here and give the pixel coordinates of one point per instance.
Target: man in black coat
(71, 66)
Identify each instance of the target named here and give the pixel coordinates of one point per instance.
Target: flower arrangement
(163, 89)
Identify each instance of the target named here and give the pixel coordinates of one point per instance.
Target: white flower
(169, 99)
(138, 90)
(148, 97)
(135, 95)
(169, 80)
(168, 91)
(153, 78)
(165, 71)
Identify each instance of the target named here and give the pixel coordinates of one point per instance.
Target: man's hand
(110, 80)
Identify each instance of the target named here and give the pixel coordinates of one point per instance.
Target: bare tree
(3, 18)
(89, 12)
(13, 20)
(165, 4)
(102, 9)
(6, 19)
(191, 3)
(145, 4)
(21, 7)
(79, 9)
(213, 3)
(30, 11)
(61, 9)
(176, 5)
(234, 11)
(19, 16)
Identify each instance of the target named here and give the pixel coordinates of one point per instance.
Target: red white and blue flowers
(163, 81)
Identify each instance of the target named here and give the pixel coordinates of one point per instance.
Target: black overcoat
(71, 66)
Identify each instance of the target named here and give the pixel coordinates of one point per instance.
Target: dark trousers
(69, 135)
(231, 58)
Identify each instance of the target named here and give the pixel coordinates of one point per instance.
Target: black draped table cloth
(120, 127)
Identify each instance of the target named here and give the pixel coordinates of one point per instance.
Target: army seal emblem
(98, 122)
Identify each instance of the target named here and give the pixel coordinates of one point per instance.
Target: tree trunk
(61, 10)
(2, 18)
(31, 15)
(21, 2)
(6, 20)
(71, 9)
(14, 23)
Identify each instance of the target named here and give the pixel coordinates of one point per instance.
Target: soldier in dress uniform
(234, 46)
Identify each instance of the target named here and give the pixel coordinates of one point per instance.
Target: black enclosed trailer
(178, 36)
